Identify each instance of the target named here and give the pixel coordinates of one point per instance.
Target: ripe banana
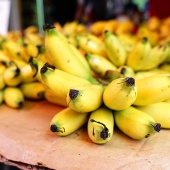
(126, 71)
(67, 121)
(99, 64)
(138, 57)
(100, 125)
(91, 44)
(159, 111)
(152, 89)
(33, 90)
(135, 123)
(2, 82)
(60, 81)
(31, 49)
(85, 98)
(115, 49)
(1, 96)
(4, 58)
(13, 97)
(62, 55)
(53, 98)
(12, 75)
(120, 93)
(157, 56)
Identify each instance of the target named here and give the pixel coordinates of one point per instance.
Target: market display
(105, 75)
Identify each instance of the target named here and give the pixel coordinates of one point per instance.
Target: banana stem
(54, 128)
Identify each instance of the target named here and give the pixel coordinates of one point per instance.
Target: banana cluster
(119, 80)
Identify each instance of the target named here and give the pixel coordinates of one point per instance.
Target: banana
(136, 123)
(4, 58)
(31, 49)
(53, 98)
(85, 98)
(97, 27)
(138, 57)
(126, 71)
(120, 93)
(60, 81)
(159, 111)
(67, 121)
(12, 75)
(33, 90)
(13, 97)
(2, 82)
(28, 73)
(157, 56)
(91, 44)
(1, 96)
(115, 50)
(100, 125)
(62, 55)
(99, 64)
(152, 89)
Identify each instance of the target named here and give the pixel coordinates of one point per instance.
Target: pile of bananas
(118, 79)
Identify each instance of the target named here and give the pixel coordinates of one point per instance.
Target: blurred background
(37, 12)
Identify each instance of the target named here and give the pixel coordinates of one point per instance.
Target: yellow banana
(53, 98)
(136, 123)
(120, 93)
(60, 81)
(157, 56)
(159, 111)
(115, 50)
(99, 64)
(2, 82)
(100, 125)
(67, 121)
(13, 97)
(28, 73)
(85, 98)
(147, 73)
(138, 57)
(62, 55)
(31, 49)
(12, 75)
(1, 96)
(152, 89)
(33, 90)
(4, 58)
(91, 44)
(126, 71)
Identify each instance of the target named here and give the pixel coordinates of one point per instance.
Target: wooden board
(25, 139)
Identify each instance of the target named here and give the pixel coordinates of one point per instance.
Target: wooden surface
(25, 138)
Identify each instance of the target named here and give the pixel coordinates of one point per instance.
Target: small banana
(2, 82)
(99, 64)
(31, 49)
(12, 75)
(60, 81)
(126, 71)
(120, 93)
(13, 97)
(152, 89)
(115, 50)
(157, 56)
(91, 44)
(62, 55)
(67, 121)
(85, 98)
(136, 123)
(100, 125)
(53, 98)
(33, 90)
(1, 96)
(138, 57)
(159, 111)
(4, 58)
(28, 73)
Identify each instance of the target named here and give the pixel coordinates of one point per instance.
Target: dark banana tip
(157, 127)
(73, 94)
(145, 39)
(54, 128)
(45, 68)
(130, 81)
(48, 27)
